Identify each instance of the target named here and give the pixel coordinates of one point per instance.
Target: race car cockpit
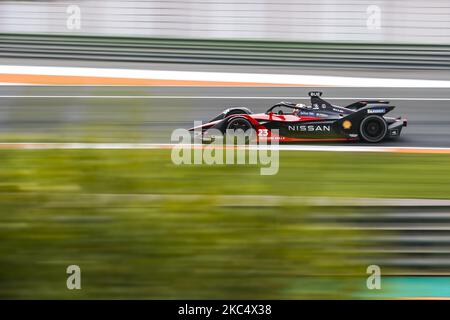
(286, 108)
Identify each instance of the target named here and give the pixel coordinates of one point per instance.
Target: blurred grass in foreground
(63, 207)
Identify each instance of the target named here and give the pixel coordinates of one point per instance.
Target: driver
(297, 108)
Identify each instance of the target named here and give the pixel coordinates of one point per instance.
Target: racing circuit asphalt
(150, 114)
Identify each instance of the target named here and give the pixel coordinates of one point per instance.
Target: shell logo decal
(346, 124)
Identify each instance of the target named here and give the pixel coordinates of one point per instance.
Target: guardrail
(403, 236)
(226, 52)
(406, 240)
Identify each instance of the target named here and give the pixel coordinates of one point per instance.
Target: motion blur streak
(105, 76)
(129, 219)
(143, 146)
(284, 20)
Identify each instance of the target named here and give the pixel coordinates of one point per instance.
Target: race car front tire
(373, 129)
(241, 124)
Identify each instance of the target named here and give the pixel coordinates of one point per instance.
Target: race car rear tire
(373, 129)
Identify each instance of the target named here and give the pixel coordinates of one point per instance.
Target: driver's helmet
(298, 107)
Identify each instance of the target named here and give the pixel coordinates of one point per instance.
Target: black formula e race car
(320, 121)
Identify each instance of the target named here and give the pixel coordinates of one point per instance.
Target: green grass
(80, 207)
(300, 173)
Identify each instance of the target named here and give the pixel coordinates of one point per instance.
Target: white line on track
(251, 78)
(215, 97)
(143, 146)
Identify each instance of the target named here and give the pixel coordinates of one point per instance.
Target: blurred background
(392, 21)
(362, 33)
(140, 227)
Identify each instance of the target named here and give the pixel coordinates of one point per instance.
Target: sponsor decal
(275, 138)
(378, 110)
(312, 114)
(347, 124)
(315, 106)
(306, 113)
(310, 128)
